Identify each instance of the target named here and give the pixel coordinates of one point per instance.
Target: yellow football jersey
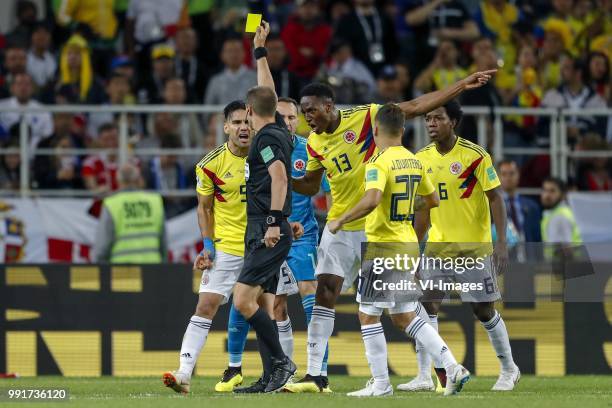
(344, 154)
(400, 176)
(221, 173)
(461, 177)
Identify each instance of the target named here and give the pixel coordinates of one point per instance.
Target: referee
(268, 235)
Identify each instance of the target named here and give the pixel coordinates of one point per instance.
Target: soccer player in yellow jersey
(393, 179)
(466, 181)
(221, 210)
(340, 144)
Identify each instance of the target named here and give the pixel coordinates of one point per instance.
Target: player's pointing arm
(433, 100)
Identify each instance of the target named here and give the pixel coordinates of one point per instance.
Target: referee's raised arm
(264, 75)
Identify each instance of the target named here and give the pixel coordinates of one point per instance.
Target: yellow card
(253, 21)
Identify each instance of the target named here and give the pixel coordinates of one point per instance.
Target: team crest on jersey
(299, 165)
(455, 168)
(246, 171)
(350, 136)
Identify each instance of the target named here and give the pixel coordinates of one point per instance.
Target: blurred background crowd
(550, 53)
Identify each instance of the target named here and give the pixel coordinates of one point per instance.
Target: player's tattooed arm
(309, 184)
(366, 205)
(264, 75)
(430, 101)
(421, 224)
(419, 203)
(422, 205)
(426, 202)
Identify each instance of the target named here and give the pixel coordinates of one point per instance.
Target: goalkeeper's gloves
(209, 246)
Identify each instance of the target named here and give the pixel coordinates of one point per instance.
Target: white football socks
(419, 330)
(320, 330)
(498, 335)
(376, 353)
(285, 336)
(193, 342)
(433, 321)
(422, 356)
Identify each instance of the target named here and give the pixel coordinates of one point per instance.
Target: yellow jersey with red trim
(221, 174)
(343, 154)
(400, 176)
(461, 177)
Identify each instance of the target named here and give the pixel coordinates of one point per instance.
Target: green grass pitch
(569, 391)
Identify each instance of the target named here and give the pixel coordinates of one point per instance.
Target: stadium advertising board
(77, 320)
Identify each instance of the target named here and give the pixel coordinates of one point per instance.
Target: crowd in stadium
(553, 53)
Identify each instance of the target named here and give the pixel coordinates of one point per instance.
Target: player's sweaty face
(289, 113)
(439, 126)
(237, 128)
(316, 112)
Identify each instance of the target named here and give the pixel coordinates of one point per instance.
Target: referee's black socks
(267, 335)
(266, 361)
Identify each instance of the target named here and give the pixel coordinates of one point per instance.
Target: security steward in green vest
(558, 224)
(131, 227)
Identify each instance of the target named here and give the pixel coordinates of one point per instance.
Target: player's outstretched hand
(500, 257)
(261, 34)
(334, 226)
(202, 261)
(297, 229)
(478, 79)
(272, 236)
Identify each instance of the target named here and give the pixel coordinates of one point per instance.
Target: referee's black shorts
(261, 264)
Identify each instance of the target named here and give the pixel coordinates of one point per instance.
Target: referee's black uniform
(261, 264)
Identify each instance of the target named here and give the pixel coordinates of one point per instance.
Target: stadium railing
(558, 149)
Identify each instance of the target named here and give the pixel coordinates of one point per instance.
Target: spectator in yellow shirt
(96, 21)
(443, 71)
(557, 40)
(495, 19)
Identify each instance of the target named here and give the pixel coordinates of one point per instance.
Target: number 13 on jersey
(342, 163)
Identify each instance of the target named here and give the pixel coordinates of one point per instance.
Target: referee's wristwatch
(274, 219)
